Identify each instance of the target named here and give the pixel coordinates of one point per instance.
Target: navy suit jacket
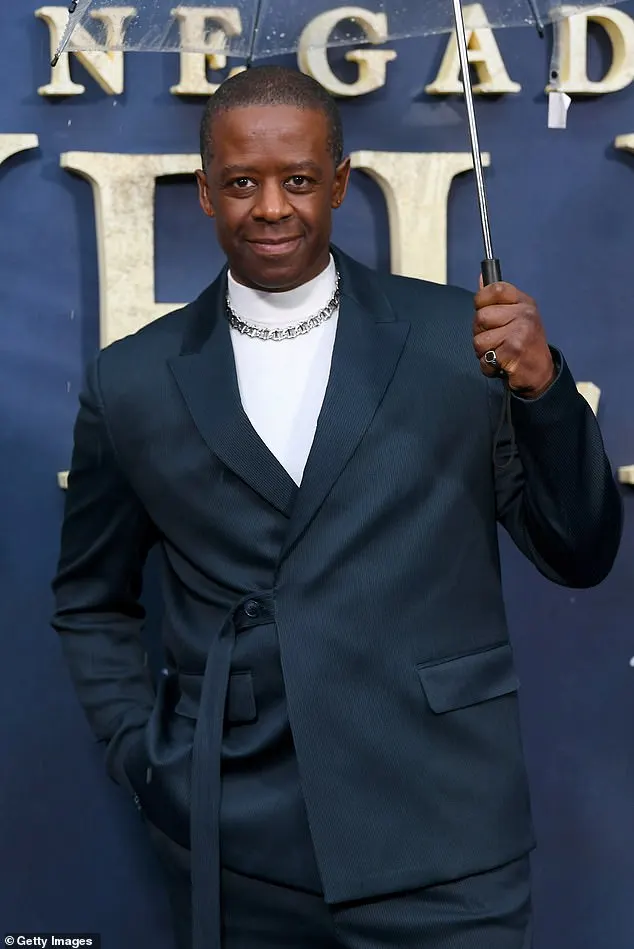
(382, 573)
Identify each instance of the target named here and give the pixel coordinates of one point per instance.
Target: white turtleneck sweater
(282, 383)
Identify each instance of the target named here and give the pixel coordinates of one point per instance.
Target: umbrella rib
(75, 12)
(539, 23)
(254, 33)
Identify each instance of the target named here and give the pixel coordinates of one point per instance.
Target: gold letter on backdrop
(416, 189)
(313, 56)
(625, 142)
(14, 144)
(571, 51)
(105, 68)
(591, 394)
(124, 188)
(195, 34)
(484, 55)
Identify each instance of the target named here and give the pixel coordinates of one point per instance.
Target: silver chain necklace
(285, 332)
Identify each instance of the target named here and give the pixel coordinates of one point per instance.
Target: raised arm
(556, 495)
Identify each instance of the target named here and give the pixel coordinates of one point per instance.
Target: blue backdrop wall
(73, 855)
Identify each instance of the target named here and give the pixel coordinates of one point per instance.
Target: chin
(275, 276)
(272, 272)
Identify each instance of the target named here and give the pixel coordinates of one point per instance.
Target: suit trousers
(491, 910)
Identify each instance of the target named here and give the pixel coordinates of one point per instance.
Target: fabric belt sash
(252, 610)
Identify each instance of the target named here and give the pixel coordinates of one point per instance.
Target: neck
(284, 307)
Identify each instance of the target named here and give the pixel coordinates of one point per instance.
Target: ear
(204, 197)
(340, 184)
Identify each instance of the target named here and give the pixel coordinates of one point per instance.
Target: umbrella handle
(491, 271)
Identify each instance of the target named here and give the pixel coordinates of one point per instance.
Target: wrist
(541, 386)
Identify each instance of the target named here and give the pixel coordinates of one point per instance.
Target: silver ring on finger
(491, 359)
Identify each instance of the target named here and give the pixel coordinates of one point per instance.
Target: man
(332, 756)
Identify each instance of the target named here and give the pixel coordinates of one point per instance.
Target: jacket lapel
(206, 376)
(368, 346)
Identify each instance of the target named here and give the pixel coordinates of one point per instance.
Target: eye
(241, 183)
(299, 182)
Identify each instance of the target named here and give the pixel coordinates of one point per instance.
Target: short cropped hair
(271, 85)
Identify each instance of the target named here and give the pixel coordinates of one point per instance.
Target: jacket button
(252, 608)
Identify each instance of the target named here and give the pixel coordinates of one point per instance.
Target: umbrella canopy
(262, 28)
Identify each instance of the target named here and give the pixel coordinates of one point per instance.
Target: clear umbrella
(258, 29)
(274, 27)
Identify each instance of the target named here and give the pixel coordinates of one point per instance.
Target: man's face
(271, 185)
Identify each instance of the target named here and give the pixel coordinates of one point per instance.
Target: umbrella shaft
(463, 55)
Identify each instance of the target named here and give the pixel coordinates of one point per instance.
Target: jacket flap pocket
(466, 680)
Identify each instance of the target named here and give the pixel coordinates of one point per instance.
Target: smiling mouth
(275, 248)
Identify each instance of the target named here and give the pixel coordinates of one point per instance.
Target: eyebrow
(287, 169)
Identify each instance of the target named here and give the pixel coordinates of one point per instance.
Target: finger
(481, 282)
(488, 370)
(500, 293)
(492, 339)
(492, 317)
(506, 357)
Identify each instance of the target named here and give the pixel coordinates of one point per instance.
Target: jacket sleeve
(555, 491)
(106, 537)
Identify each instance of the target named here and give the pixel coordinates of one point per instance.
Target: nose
(272, 204)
